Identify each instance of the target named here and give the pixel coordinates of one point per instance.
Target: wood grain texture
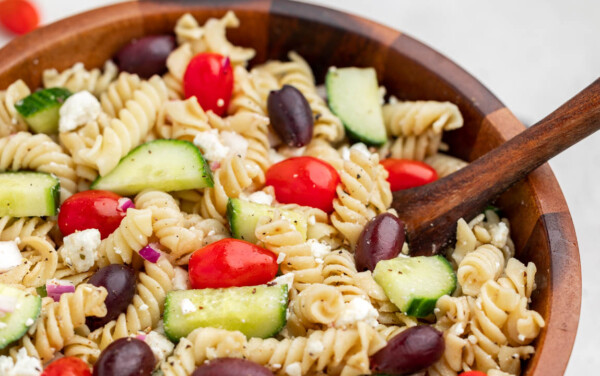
(541, 224)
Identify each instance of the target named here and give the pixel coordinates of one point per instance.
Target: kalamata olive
(146, 56)
(410, 351)
(291, 116)
(381, 239)
(231, 367)
(125, 357)
(119, 281)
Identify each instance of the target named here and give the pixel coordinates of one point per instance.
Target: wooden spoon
(430, 212)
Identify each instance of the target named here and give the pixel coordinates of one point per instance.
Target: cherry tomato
(209, 77)
(67, 366)
(91, 209)
(231, 262)
(19, 16)
(405, 173)
(305, 181)
(473, 373)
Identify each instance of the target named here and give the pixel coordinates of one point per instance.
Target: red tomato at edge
(91, 209)
(405, 173)
(19, 16)
(231, 262)
(305, 181)
(473, 373)
(209, 77)
(67, 366)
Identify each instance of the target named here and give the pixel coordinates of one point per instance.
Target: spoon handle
(466, 192)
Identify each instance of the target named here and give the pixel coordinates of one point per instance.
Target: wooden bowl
(540, 221)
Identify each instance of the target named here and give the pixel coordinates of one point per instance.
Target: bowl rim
(564, 298)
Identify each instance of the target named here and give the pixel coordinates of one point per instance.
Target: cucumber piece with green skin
(28, 194)
(353, 95)
(256, 311)
(41, 109)
(166, 165)
(15, 324)
(243, 217)
(414, 284)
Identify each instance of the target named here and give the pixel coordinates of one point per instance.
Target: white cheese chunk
(160, 345)
(258, 197)
(187, 306)
(314, 346)
(79, 249)
(318, 249)
(285, 279)
(294, 369)
(217, 146)
(10, 256)
(24, 366)
(79, 109)
(358, 309)
(181, 280)
(237, 144)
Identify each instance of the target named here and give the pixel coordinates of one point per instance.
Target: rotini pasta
(483, 264)
(77, 78)
(444, 164)
(116, 95)
(314, 307)
(415, 118)
(10, 121)
(19, 228)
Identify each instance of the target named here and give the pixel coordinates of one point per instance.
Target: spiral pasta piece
(82, 348)
(444, 164)
(519, 277)
(316, 306)
(280, 236)
(131, 128)
(254, 128)
(340, 272)
(412, 147)
(245, 96)
(182, 120)
(415, 118)
(523, 325)
(116, 95)
(129, 238)
(484, 264)
(10, 120)
(24, 151)
(321, 149)
(231, 178)
(77, 78)
(339, 352)
(146, 307)
(18, 228)
(57, 323)
(168, 225)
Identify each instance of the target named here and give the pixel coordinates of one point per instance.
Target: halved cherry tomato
(91, 209)
(209, 77)
(405, 173)
(305, 181)
(231, 262)
(473, 373)
(67, 366)
(19, 16)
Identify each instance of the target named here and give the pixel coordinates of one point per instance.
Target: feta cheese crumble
(280, 257)
(79, 249)
(181, 280)
(10, 256)
(358, 309)
(217, 146)
(258, 197)
(187, 306)
(160, 345)
(362, 148)
(24, 366)
(318, 249)
(79, 109)
(294, 369)
(314, 346)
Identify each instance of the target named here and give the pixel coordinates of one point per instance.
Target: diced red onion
(150, 253)
(125, 203)
(141, 337)
(7, 304)
(215, 165)
(55, 291)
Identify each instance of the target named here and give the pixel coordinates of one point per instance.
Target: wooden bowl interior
(540, 221)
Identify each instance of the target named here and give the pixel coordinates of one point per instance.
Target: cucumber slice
(40, 109)
(14, 325)
(256, 311)
(28, 194)
(243, 217)
(166, 165)
(414, 284)
(353, 95)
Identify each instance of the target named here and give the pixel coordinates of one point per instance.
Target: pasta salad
(180, 213)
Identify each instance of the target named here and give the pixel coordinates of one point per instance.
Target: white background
(533, 55)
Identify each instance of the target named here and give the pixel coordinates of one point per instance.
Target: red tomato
(305, 181)
(91, 209)
(473, 373)
(19, 16)
(231, 262)
(209, 77)
(67, 366)
(405, 173)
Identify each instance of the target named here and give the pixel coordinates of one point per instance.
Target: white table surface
(548, 52)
